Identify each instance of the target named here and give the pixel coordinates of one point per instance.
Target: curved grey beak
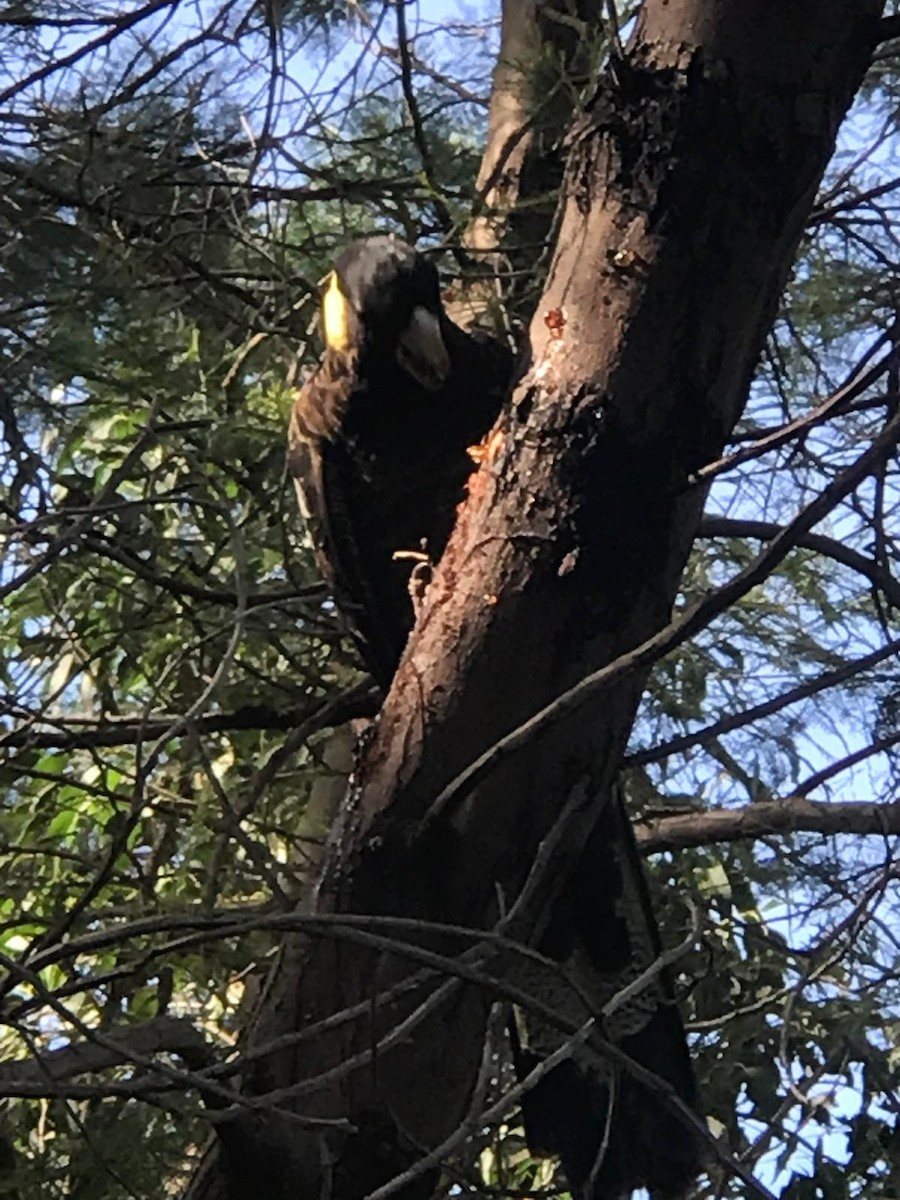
(421, 351)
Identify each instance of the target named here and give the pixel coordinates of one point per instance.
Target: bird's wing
(328, 490)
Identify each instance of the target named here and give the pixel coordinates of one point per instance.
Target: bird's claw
(420, 576)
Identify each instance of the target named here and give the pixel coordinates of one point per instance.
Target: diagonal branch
(768, 708)
(835, 403)
(877, 573)
(677, 632)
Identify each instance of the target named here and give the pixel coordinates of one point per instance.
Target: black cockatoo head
(383, 300)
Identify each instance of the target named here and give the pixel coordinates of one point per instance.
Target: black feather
(379, 460)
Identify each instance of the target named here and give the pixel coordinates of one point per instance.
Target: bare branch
(74, 733)
(878, 746)
(768, 708)
(126, 1044)
(415, 116)
(854, 387)
(766, 818)
(119, 26)
(877, 573)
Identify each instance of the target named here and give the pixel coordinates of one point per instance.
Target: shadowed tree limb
(766, 818)
(130, 1044)
(82, 732)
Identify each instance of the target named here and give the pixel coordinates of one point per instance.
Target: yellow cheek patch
(335, 316)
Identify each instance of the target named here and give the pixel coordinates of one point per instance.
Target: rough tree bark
(688, 181)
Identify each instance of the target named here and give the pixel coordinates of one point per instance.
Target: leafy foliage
(175, 183)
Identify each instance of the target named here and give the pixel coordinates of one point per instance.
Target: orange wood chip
(487, 450)
(555, 320)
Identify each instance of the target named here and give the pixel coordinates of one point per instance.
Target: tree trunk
(545, 60)
(688, 181)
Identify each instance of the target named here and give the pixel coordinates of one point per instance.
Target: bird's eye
(336, 316)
